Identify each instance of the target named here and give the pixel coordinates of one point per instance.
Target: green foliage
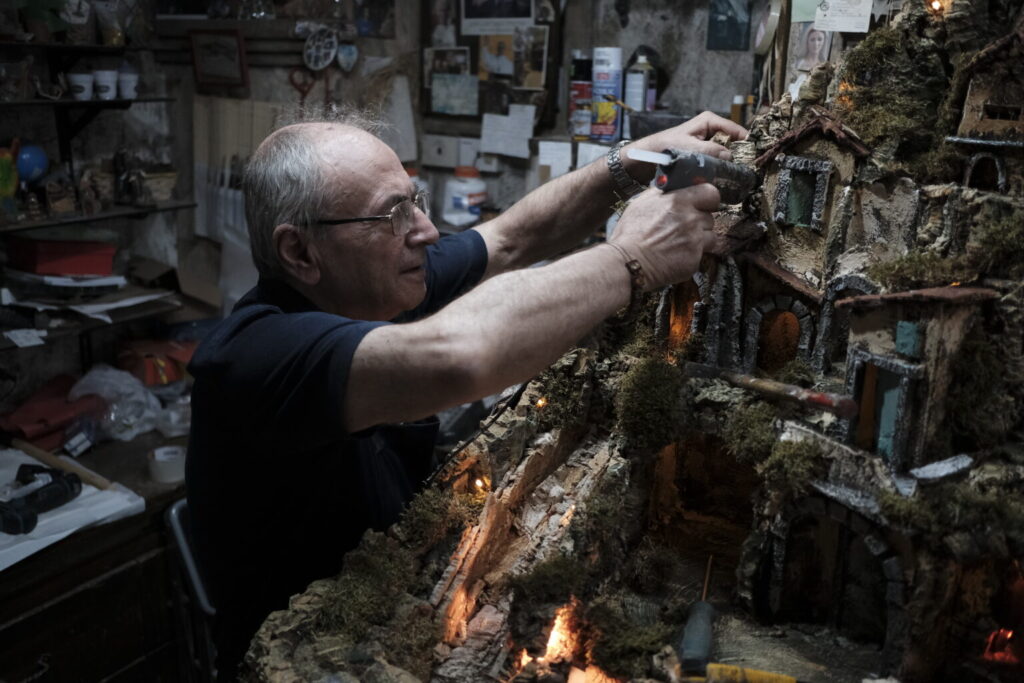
(373, 578)
(433, 514)
(748, 434)
(921, 269)
(563, 389)
(913, 513)
(648, 404)
(652, 567)
(980, 404)
(793, 464)
(797, 372)
(619, 647)
(996, 243)
(553, 581)
(411, 638)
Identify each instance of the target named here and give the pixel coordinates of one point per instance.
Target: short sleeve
(455, 264)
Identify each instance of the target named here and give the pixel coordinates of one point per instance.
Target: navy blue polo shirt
(278, 492)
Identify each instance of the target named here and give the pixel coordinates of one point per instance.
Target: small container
(127, 85)
(81, 85)
(639, 91)
(581, 88)
(463, 196)
(606, 118)
(105, 84)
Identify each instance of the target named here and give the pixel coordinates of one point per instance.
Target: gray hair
(284, 181)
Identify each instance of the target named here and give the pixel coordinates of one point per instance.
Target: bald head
(294, 176)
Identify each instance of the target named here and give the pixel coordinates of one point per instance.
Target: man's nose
(423, 230)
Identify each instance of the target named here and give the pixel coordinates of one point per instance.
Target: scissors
(303, 81)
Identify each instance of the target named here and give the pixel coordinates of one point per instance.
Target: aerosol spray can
(640, 90)
(580, 93)
(606, 123)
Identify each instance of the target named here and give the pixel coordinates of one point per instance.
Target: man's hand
(667, 232)
(694, 135)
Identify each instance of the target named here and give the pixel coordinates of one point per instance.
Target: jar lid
(466, 172)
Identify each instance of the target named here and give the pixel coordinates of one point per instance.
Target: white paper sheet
(469, 149)
(401, 134)
(588, 152)
(92, 506)
(556, 155)
(851, 16)
(509, 135)
(26, 337)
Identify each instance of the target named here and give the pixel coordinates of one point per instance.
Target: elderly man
(309, 405)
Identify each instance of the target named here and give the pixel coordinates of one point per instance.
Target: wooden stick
(51, 460)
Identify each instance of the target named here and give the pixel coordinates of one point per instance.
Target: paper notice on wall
(469, 150)
(804, 10)
(557, 156)
(400, 135)
(588, 152)
(509, 135)
(850, 16)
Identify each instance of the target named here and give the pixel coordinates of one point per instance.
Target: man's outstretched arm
(559, 215)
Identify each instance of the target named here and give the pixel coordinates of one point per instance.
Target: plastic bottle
(640, 93)
(463, 196)
(606, 119)
(581, 90)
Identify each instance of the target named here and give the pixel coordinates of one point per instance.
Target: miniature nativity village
(817, 442)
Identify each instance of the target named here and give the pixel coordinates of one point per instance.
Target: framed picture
(729, 25)
(444, 60)
(808, 47)
(218, 60)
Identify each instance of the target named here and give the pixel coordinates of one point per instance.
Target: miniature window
(802, 192)
(1002, 112)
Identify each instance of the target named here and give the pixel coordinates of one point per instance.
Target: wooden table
(98, 605)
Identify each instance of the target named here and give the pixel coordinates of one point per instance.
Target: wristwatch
(625, 182)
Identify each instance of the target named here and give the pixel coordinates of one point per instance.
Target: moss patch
(648, 405)
(793, 464)
(906, 512)
(435, 513)
(920, 269)
(996, 244)
(797, 372)
(749, 435)
(980, 406)
(619, 647)
(553, 581)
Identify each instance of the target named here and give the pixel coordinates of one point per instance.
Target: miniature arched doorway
(834, 325)
(778, 331)
(986, 172)
(832, 565)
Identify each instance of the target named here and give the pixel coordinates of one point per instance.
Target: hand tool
(303, 81)
(725, 673)
(695, 646)
(53, 461)
(37, 489)
(838, 404)
(679, 168)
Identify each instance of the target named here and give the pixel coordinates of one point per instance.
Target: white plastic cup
(105, 84)
(81, 86)
(127, 85)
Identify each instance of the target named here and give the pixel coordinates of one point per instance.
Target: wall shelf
(120, 212)
(84, 104)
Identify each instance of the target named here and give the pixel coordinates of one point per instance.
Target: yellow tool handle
(724, 673)
(51, 460)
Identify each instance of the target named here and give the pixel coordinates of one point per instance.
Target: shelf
(69, 47)
(118, 316)
(124, 212)
(84, 104)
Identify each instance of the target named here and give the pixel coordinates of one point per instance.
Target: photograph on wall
(372, 18)
(496, 57)
(444, 60)
(808, 47)
(454, 94)
(544, 11)
(440, 22)
(530, 47)
(729, 25)
(489, 17)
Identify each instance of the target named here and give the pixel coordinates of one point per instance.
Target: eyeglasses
(402, 215)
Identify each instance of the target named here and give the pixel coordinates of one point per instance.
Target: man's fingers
(705, 125)
(712, 149)
(703, 197)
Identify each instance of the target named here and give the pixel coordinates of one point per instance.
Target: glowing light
(954, 284)
(998, 648)
(562, 640)
(524, 658)
(479, 483)
(541, 402)
(936, 5)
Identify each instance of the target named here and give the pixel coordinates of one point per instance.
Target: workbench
(99, 604)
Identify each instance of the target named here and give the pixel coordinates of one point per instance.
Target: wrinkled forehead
(358, 167)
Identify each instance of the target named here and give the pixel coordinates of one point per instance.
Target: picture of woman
(808, 47)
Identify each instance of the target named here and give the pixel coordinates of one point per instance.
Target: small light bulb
(541, 402)
(936, 5)
(479, 483)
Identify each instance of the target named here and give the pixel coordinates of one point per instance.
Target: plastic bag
(131, 408)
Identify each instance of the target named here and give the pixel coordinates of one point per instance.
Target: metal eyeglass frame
(421, 201)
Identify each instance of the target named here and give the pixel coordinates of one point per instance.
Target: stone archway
(824, 346)
(986, 172)
(756, 315)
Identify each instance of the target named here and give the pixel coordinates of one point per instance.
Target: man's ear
(297, 254)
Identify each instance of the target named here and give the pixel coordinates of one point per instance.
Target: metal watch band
(625, 182)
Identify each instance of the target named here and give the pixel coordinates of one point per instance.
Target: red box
(60, 257)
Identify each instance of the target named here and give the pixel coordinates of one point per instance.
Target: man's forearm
(504, 331)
